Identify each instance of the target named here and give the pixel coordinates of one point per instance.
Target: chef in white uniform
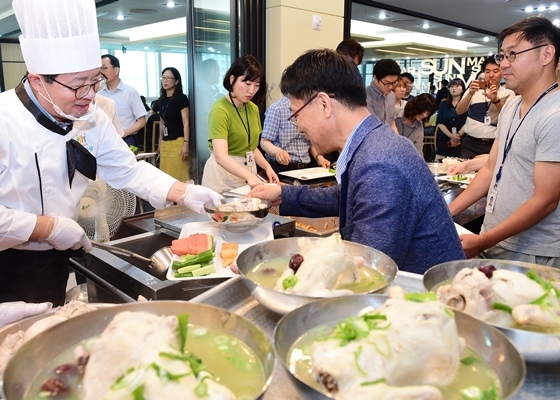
(47, 158)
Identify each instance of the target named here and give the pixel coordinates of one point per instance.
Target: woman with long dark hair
(450, 124)
(234, 128)
(415, 111)
(174, 132)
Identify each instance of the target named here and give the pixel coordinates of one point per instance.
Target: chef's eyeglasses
(82, 91)
(512, 55)
(293, 118)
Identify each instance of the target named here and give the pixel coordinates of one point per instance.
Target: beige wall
(12, 64)
(289, 33)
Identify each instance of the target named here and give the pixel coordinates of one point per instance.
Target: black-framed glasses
(390, 84)
(166, 78)
(512, 55)
(82, 91)
(293, 118)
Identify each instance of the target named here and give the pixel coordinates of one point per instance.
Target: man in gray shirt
(380, 97)
(521, 178)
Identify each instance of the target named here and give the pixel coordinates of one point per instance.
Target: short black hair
(112, 59)
(444, 82)
(247, 66)
(351, 48)
(324, 70)
(488, 60)
(386, 67)
(421, 103)
(408, 76)
(536, 30)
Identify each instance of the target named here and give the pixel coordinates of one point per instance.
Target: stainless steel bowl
(535, 346)
(487, 341)
(36, 354)
(283, 303)
(236, 221)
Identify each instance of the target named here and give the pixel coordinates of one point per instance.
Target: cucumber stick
(204, 270)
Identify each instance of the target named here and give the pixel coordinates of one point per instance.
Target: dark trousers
(472, 147)
(34, 276)
(130, 140)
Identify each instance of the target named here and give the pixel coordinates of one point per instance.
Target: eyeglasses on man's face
(82, 91)
(512, 55)
(389, 84)
(293, 118)
(167, 78)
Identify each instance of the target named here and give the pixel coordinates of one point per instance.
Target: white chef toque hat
(58, 36)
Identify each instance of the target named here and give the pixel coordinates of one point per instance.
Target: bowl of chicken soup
(521, 299)
(403, 346)
(285, 274)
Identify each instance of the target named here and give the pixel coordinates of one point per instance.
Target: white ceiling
(478, 18)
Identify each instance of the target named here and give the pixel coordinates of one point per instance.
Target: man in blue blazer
(387, 198)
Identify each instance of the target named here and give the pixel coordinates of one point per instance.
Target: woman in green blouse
(234, 128)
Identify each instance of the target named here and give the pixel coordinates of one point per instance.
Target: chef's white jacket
(34, 172)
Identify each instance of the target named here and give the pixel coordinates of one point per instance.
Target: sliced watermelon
(193, 244)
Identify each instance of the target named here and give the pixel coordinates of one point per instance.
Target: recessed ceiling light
(459, 33)
(541, 8)
(528, 9)
(170, 4)
(426, 25)
(489, 54)
(553, 7)
(373, 59)
(556, 22)
(408, 57)
(211, 49)
(146, 47)
(382, 16)
(486, 39)
(447, 56)
(120, 17)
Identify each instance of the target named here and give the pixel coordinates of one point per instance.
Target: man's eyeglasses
(293, 118)
(511, 56)
(82, 91)
(165, 78)
(389, 84)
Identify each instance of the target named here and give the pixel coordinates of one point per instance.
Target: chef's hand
(195, 196)
(272, 193)
(16, 310)
(459, 168)
(67, 234)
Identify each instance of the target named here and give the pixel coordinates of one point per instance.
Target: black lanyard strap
(248, 127)
(507, 146)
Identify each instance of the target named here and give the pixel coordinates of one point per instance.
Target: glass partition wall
(202, 54)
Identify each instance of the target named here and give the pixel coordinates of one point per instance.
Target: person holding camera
(483, 101)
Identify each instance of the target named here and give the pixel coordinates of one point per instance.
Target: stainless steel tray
(541, 382)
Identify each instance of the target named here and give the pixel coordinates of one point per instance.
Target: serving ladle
(159, 261)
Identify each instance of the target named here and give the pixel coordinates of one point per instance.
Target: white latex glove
(68, 234)
(195, 196)
(16, 310)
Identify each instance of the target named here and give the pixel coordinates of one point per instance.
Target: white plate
(262, 233)
(449, 178)
(308, 173)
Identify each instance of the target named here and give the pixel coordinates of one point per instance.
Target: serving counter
(541, 382)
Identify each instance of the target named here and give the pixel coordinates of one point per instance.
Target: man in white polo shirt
(131, 110)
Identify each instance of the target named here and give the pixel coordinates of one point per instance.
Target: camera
(481, 84)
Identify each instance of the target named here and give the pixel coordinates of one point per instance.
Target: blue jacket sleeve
(305, 201)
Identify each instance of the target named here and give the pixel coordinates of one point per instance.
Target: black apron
(34, 276)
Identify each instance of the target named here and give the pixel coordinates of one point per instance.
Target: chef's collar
(27, 87)
(342, 161)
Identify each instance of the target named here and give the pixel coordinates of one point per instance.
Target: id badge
(487, 120)
(492, 199)
(164, 130)
(250, 159)
(454, 130)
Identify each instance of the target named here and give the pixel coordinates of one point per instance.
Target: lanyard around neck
(248, 127)
(507, 146)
